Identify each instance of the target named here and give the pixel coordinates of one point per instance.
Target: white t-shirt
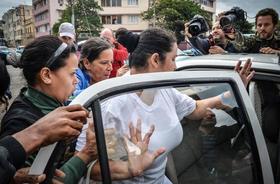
(165, 111)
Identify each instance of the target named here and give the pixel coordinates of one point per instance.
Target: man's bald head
(108, 35)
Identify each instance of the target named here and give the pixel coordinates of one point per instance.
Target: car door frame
(92, 96)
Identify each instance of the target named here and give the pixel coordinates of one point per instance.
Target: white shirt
(165, 111)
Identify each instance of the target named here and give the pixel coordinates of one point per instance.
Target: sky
(250, 6)
(5, 5)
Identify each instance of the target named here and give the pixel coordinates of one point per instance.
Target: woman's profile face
(169, 63)
(100, 68)
(64, 79)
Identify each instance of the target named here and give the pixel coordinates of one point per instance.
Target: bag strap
(89, 171)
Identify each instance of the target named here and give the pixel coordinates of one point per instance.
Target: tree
(167, 12)
(86, 16)
(278, 25)
(244, 27)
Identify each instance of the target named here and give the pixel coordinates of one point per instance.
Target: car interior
(213, 154)
(266, 96)
(222, 150)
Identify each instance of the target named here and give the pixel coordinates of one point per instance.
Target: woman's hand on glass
(139, 161)
(246, 73)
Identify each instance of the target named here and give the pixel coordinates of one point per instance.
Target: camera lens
(227, 20)
(195, 29)
(224, 21)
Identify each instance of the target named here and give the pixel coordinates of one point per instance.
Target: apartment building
(1, 29)
(209, 6)
(127, 13)
(46, 14)
(16, 21)
(124, 13)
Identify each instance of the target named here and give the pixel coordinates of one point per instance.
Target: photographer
(223, 32)
(220, 41)
(265, 40)
(120, 52)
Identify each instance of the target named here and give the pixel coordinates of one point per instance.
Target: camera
(198, 25)
(232, 16)
(10, 58)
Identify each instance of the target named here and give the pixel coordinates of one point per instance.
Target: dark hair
(153, 40)
(128, 39)
(92, 48)
(268, 11)
(121, 31)
(38, 52)
(5, 81)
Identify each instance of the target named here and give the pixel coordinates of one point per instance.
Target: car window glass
(267, 105)
(216, 149)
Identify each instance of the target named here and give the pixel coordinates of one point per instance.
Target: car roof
(268, 62)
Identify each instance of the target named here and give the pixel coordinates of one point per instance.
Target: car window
(265, 97)
(212, 150)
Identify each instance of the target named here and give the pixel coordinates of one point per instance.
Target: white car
(229, 149)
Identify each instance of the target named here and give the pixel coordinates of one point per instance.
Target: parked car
(232, 148)
(20, 49)
(3, 53)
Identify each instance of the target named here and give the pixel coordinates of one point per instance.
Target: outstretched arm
(245, 73)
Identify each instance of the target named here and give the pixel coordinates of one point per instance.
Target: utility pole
(71, 2)
(154, 13)
(73, 16)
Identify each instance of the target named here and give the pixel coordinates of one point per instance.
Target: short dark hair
(93, 47)
(268, 11)
(128, 39)
(38, 52)
(153, 40)
(121, 31)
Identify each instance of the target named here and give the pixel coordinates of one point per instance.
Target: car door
(264, 92)
(229, 148)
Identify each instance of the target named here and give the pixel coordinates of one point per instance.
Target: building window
(111, 3)
(112, 19)
(60, 2)
(132, 2)
(133, 19)
(205, 2)
(43, 28)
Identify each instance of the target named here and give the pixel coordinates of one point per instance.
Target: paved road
(17, 82)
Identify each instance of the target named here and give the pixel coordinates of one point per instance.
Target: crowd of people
(224, 40)
(55, 74)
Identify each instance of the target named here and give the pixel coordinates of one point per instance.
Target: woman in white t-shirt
(156, 52)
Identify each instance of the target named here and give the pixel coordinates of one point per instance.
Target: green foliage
(244, 27)
(86, 17)
(278, 25)
(167, 12)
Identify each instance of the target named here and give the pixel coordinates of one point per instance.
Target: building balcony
(40, 10)
(208, 9)
(29, 35)
(19, 37)
(120, 11)
(42, 22)
(41, 34)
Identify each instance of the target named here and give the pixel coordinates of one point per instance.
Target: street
(17, 82)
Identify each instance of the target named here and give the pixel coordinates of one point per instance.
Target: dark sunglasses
(56, 54)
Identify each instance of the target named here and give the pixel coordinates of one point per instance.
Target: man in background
(120, 52)
(266, 40)
(67, 33)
